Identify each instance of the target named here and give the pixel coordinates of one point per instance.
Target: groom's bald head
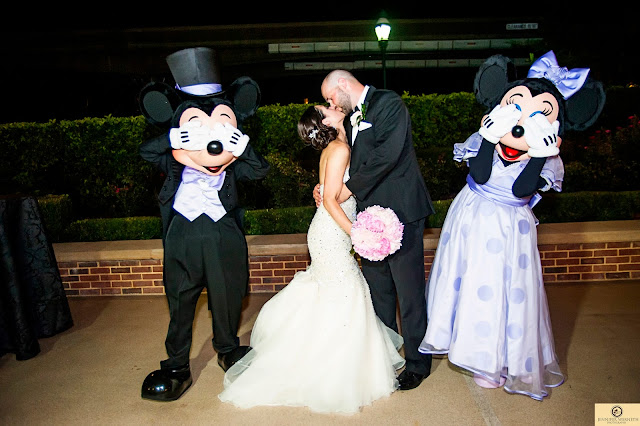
(341, 89)
(332, 78)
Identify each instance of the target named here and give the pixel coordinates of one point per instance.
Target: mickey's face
(513, 145)
(214, 159)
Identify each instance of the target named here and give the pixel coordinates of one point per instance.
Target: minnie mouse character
(203, 154)
(487, 305)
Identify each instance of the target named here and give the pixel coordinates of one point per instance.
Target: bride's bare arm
(336, 165)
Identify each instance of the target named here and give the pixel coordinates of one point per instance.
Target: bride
(318, 343)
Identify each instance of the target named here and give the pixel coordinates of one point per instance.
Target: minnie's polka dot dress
(487, 307)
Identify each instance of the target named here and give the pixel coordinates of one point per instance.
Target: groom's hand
(345, 193)
(316, 195)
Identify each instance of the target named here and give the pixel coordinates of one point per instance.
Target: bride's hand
(316, 195)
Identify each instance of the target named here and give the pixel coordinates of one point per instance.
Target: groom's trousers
(204, 254)
(399, 280)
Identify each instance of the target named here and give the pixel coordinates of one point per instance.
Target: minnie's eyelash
(510, 101)
(546, 112)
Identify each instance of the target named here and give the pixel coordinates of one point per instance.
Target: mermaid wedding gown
(318, 343)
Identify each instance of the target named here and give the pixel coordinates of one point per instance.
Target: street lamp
(383, 28)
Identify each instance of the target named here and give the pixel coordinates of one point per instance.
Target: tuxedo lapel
(367, 98)
(364, 108)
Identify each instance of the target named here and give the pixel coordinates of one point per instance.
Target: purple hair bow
(566, 81)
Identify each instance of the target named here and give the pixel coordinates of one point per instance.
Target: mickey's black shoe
(167, 384)
(226, 360)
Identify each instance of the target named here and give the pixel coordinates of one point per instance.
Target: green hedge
(442, 120)
(114, 229)
(288, 220)
(96, 161)
(56, 214)
(588, 206)
(553, 208)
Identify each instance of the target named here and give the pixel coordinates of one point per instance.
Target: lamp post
(383, 28)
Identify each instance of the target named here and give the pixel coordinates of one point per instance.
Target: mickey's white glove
(192, 136)
(233, 140)
(499, 122)
(541, 136)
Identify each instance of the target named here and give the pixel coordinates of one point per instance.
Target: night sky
(606, 39)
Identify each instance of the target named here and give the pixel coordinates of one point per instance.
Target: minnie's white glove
(192, 136)
(233, 140)
(541, 136)
(499, 122)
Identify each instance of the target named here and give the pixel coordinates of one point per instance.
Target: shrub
(56, 212)
(114, 229)
(603, 159)
(96, 161)
(103, 169)
(588, 206)
(289, 220)
(442, 120)
(32, 153)
(274, 130)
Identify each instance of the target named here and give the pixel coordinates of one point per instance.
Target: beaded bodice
(330, 246)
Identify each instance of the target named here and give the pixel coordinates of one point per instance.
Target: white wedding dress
(318, 343)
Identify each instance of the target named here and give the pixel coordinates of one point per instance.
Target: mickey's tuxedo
(203, 253)
(249, 166)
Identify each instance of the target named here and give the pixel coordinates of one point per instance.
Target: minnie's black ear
(158, 102)
(492, 79)
(584, 107)
(245, 95)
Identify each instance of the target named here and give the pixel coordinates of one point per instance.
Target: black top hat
(197, 77)
(196, 71)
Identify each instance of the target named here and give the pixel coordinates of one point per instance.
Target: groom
(384, 171)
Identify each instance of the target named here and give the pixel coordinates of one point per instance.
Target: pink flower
(376, 233)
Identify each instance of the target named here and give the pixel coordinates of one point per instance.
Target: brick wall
(590, 261)
(112, 277)
(562, 262)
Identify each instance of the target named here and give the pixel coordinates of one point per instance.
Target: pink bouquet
(376, 233)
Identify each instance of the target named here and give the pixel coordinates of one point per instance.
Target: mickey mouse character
(487, 305)
(203, 154)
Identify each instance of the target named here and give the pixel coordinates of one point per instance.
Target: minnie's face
(210, 162)
(513, 146)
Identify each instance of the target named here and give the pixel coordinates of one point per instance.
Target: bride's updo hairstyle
(313, 132)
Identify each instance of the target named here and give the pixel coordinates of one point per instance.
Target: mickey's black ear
(158, 102)
(245, 95)
(585, 106)
(492, 78)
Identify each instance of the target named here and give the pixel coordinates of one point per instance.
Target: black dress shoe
(410, 380)
(167, 384)
(227, 359)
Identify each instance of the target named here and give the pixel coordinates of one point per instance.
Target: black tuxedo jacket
(249, 166)
(384, 169)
